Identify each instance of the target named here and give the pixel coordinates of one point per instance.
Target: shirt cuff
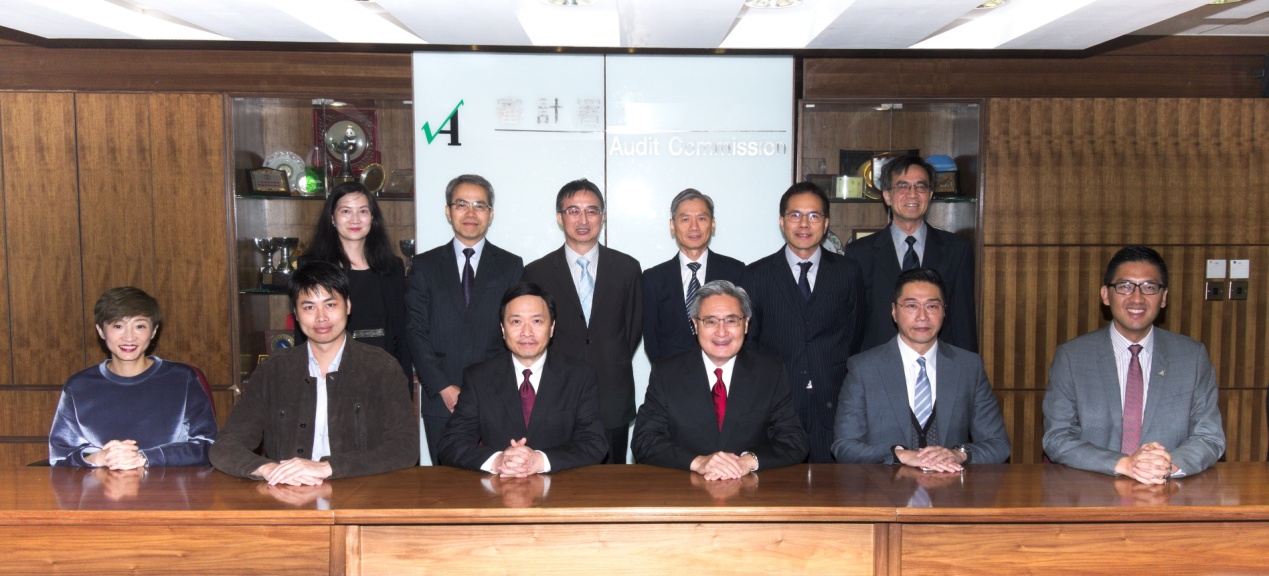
(546, 462)
(488, 465)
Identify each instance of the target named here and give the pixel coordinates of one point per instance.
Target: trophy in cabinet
(346, 149)
(407, 250)
(266, 247)
(283, 273)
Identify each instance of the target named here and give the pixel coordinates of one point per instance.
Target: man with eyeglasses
(720, 411)
(910, 242)
(917, 401)
(668, 286)
(599, 298)
(1131, 399)
(452, 299)
(806, 312)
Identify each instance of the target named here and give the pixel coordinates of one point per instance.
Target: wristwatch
(964, 449)
(755, 460)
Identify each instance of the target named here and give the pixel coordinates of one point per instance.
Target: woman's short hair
(126, 302)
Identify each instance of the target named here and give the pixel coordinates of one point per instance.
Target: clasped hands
(932, 458)
(1150, 464)
(294, 472)
(118, 455)
(517, 461)
(723, 465)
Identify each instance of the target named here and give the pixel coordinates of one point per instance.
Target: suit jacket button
(303, 425)
(299, 451)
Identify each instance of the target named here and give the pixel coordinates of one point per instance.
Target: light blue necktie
(924, 398)
(586, 288)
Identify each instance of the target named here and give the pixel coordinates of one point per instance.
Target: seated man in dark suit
(754, 421)
(525, 412)
(668, 286)
(332, 408)
(916, 400)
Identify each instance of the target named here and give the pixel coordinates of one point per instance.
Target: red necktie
(527, 396)
(720, 397)
(1134, 396)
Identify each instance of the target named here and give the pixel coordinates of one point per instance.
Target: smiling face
(470, 225)
(720, 343)
(1134, 314)
(918, 313)
(527, 328)
(581, 231)
(322, 315)
(909, 206)
(692, 226)
(352, 217)
(802, 235)
(128, 338)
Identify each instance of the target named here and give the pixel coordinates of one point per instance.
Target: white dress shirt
(321, 427)
(911, 370)
(686, 273)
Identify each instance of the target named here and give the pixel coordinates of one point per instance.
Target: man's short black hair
(317, 274)
(900, 165)
(525, 289)
(804, 188)
(572, 188)
(1144, 254)
(919, 275)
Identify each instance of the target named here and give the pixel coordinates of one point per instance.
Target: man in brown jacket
(329, 409)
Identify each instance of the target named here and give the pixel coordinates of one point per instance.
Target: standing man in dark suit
(909, 242)
(668, 286)
(598, 296)
(807, 312)
(915, 400)
(1131, 399)
(452, 301)
(753, 425)
(522, 412)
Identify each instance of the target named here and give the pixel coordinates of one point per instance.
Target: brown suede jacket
(372, 421)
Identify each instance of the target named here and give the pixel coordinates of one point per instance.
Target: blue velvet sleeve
(67, 443)
(190, 444)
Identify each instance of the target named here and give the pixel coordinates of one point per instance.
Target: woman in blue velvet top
(132, 410)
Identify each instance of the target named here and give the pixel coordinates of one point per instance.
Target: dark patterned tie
(692, 285)
(1134, 396)
(720, 398)
(468, 276)
(804, 281)
(910, 259)
(527, 396)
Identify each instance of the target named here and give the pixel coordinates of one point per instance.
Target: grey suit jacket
(873, 413)
(1083, 413)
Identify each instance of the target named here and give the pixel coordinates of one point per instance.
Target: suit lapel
(935, 248)
(788, 284)
(1159, 384)
(549, 393)
(451, 280)
(949, 378)
(740, 396)
(885, 255)
(1109, 374)
(568, 303)
(489, 262)
(895, 382)
(508, 393)
(702, 396)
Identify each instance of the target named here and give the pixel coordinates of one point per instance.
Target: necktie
(586, 289)
(910, 259)
(527, 396)
(924, 403)
(1134, 400)
(692, 285)
(720, 397)
(804, 281)
(468, 276)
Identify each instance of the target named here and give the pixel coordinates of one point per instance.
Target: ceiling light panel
(1098, 22)
(1004, 24)
(593, 26)
(455, 23)
(787, 28)
(243, 20)
(675, 23)
(889, 24)
(100, 19)
(345, 21)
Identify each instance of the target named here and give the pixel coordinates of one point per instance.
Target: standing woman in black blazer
(351, 234)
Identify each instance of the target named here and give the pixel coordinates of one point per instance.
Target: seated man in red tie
(720, 411)
(522, 412)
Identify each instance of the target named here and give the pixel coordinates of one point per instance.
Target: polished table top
(634, 493)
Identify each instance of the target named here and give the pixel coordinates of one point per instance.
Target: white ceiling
(672, 24)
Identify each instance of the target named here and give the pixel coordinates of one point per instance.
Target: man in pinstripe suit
(807, 312)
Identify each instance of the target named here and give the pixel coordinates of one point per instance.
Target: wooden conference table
(809, 519)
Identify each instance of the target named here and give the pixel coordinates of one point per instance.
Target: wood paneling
(19, 453)
(41, 210)
(6, 360)
(29, 413)
(595, 549)
(191, 230)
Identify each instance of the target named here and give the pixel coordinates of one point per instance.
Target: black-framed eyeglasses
(712, 322)
(464, 205)
(931, 308)
(1148, 288)
(575, 211)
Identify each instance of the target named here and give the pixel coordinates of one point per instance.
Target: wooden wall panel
(42, 237)
(191, 230)
(6, 360)
(116, 213)
(29, 411)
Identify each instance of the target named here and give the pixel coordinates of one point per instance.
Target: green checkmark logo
(427, 128)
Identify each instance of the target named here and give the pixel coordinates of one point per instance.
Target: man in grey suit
(915, 400)
(452, 300)
(1131, 399)
(598, 295)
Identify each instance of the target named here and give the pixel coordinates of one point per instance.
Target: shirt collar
(794, 259)
(910, 356)
(334, 364)
(479, 247)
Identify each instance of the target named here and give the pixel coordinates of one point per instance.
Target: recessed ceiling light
(1219, 2)
(991, 4)
(568, 2)
(772, 3)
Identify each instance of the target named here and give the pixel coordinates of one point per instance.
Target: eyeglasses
(712, 322)
(575, 211)
(1147, 288)
(904, 187)
(811, 217)
(931, 308)
(464, 206)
